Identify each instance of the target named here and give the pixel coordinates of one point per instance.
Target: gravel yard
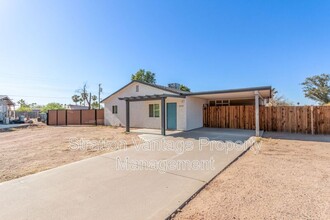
(287, 179)
(29, 150)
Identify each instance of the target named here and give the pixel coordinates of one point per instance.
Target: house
(77, 107)
(143, 105)
(7, 108)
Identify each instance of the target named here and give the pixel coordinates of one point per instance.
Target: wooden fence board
(61, 117)
(52, 117)
(88, 117)
(73, 117)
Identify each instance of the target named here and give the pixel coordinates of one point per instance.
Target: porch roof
(150, 97)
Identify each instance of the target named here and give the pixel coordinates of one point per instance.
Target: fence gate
(76, 117)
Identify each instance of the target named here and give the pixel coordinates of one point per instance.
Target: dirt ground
(29, 150)
(287, 179)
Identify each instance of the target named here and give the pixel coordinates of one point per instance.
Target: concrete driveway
(96, 188)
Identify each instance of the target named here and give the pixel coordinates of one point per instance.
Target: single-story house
(144, 105)
(7, 108)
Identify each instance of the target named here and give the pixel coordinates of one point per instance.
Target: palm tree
(75, 98)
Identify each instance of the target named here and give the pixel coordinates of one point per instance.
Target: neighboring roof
(77, 107)
(6, 99)
(165, 88)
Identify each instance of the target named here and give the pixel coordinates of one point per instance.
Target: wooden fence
(76, 117)
(294, 119)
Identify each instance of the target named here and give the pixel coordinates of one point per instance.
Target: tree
(317, 88)
(278, 100)
(24, 107)
(52, 106)
(184, 88)
(95, 103)
(76, 99)
(144, 76)
(86, 97)
(21, 102)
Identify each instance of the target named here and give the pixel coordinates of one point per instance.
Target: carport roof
(243, 93)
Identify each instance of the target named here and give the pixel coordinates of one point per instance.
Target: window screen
(114, 109)
(154, 110)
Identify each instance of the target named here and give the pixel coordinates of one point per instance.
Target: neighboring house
(76, 107)
(7, 108)
(143, 105)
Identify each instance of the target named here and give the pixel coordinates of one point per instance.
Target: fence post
(312, 120)
(95, 117)
(56, 117)
(256, 94)
(80, 117)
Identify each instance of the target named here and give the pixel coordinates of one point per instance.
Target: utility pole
(100, 90)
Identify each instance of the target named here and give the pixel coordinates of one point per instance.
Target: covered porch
(164, 110)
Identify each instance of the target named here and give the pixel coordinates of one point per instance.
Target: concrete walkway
(10, 126)
(95, 189)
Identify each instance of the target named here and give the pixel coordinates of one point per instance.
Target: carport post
(256, 96)
(163, 116)
(127, 116)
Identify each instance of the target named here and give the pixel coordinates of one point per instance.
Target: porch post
(163, 116)
(256, 96)
(127, 116)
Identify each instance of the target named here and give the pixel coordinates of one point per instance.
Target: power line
(50, 97)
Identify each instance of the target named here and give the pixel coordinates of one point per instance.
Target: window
(154, 110)
(137, 88)
(220, 103)
(114, 109)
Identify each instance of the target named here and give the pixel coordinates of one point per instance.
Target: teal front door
(171, 116)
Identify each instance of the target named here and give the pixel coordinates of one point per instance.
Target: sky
(49, 49)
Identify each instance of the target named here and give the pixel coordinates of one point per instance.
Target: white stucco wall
(3, 110)
(139, 111)
(194, 113)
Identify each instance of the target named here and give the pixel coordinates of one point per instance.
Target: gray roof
(173, 90)
(7, 100)
(178, 91)
(233, 90)
(184, 93)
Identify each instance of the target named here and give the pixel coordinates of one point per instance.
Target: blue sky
(48, 49)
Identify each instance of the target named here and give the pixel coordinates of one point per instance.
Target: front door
(171, 116)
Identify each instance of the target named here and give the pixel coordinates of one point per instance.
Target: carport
(255, 96)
